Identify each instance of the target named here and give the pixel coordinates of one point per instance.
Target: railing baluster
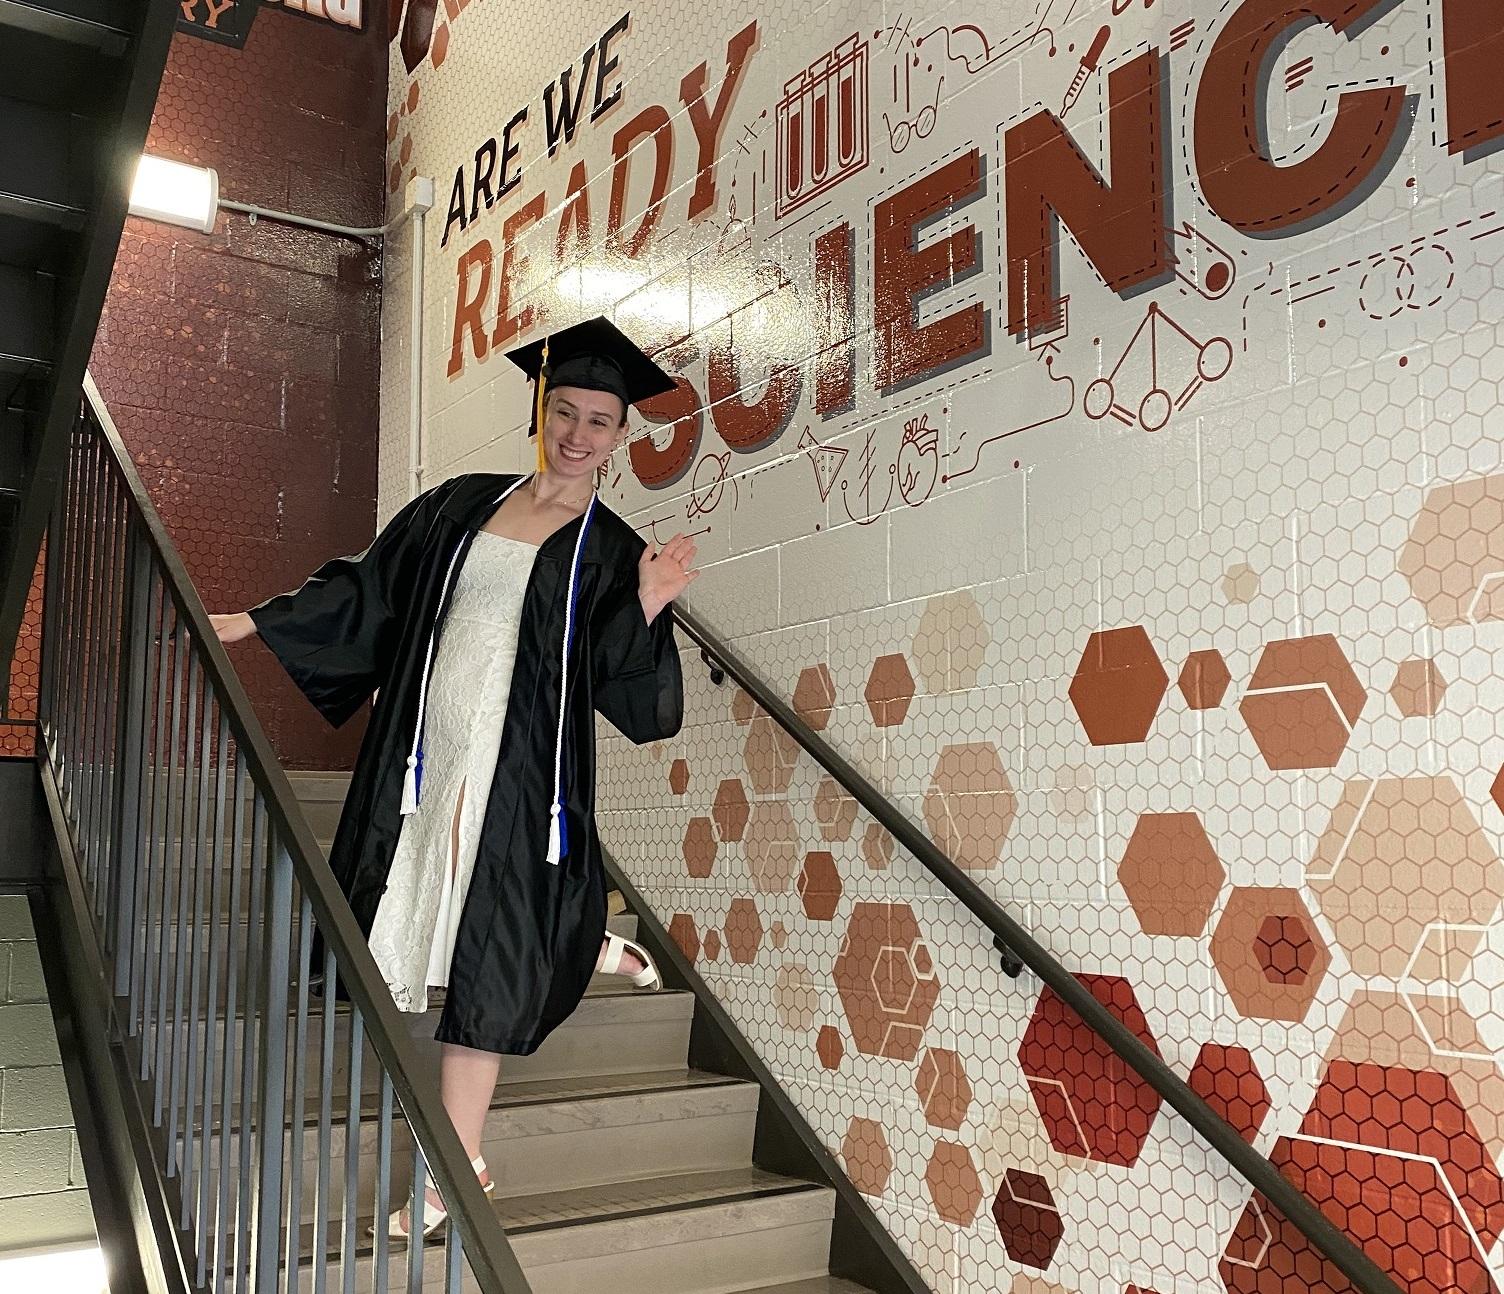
(79, 620)
(106, 693)
(89, 742)
(417, 1197)
(454, 1264)
(132, 740)
(228, 1116)
(212, 1014)
(171, 867)
(319, 1245)
(182, 951)
(150, 934)
(383, 1182)
(250, 1117)
(349, 1228)
(197, 968)
(298, 1101)
(271, 1074)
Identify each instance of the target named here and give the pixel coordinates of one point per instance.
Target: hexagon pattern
(815, 696)
(1204, 679)
(953, 1183)
(885, 975)
(1118, 685)
(1417, 688)
(1303, 702)
(970, 806)
(865, 1153)
(890, 689)
(819, 885)
(943, 1088)
(1269, 953)
(1171, 874)
(1454, 557)
(731, 808)
(1228, 1080)
(1027, 1219)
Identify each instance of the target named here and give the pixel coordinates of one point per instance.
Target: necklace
(557, 503)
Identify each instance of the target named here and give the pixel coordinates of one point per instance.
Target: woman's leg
(631, 963)
(467, 1082)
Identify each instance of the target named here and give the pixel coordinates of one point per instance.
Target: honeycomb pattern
(1455, 554)
(1171, 874)
(699, 848)
(796, 997)
(712, 945)
(877, 846)
(682, 931)
(950, 645)
(970, 805)
(815, 696)
(885, 975)
(829, 1047)
(1303, 702)
(18, 740)
(772, 845)
(1204, 679)
(1269, 953)
(678, 776)
(1118, 685)
(819, 885)
(865, 1153)
(834, 810)
(744, 931)
(1092, 1104)
(1227, 1079)
(889, 690)
(731, 809)
(953, 1184)
(1027, 1219)
(943, 1088)
(1410, 836)
(1417, 688)
(771, 756)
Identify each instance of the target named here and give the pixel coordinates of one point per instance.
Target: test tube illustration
(822, 125)
(1089, 62)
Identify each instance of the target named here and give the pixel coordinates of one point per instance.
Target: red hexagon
(819, 885)
(1118, 685)
(1303, 702)
(1204, 679)
(771, 755)
(886, 980)
(712, 945)
(1285, 949)
(815, 696)
(699, 848)
(681, 930)
(890, 689)
(1092, 1104)
(830, 1048)
(1227, 1080)
(1027, 1219)
(743, 930)
(869, 1162)
(678, 776)
(730, 812)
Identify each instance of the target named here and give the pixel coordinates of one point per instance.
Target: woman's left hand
(663, 575)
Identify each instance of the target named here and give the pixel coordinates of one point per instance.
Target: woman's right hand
(232, 628)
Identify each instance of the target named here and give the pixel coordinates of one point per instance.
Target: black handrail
(1017, 945)
(485, 1245)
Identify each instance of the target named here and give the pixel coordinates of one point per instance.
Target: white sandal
(617, 948)
(433, 1217)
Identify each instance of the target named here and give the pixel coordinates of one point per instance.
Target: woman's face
(580, 429)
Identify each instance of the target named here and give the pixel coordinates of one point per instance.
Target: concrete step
(695, 1233)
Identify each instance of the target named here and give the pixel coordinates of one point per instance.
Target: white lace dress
(412, 936)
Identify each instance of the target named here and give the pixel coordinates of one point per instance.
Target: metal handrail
(101, 759)
(1018, 946)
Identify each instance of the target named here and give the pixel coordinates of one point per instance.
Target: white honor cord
(555, 839)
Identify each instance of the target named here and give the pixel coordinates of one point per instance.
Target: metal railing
(1018, 949)
(283, 1118)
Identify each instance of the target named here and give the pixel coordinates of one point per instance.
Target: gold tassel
(538, 414)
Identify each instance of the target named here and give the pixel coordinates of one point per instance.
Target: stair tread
(813, 1285)
(523, 1214)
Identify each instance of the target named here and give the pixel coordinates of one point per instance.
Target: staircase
(78, 80)
(617, 1166)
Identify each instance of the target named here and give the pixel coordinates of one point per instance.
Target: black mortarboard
(595, 356)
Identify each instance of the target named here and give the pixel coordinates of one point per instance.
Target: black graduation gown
(530, 932)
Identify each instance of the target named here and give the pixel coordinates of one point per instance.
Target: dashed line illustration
(1211, 362)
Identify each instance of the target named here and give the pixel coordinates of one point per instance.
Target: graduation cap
(593, 356)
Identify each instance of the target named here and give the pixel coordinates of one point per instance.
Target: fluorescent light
(66, 1271)
(177, 193)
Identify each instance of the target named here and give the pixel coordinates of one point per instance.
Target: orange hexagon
(743, 707)
(877, 843)
(953, 1183)
(1118, 685)
(829, 1047)
(886, 979)
(699, 848)
(772, 838)
(815, 696)
(1204, 680)
(771, 756)
(1417, 688)
(1454, 558)
(1171, 874)
(1401, 854)
(820, 885)
(743, 930)
(682, 931)
(970, 805)
(1303, 702)
(1248, 955)
(730, 811)
(1227, 1080)
(678, 776)
(944, 1090)
(834, 810)
(712, 945)
(869, 1162)
(890, 689)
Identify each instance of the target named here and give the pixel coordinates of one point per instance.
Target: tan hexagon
(771, 755)
(796, 997)
(864, 1150)
(1417, 688)
(829, 1047)
(1073, 795)
(953, 1183)
(950, 645)
(944, 1090)
(1246, 949)
(819, 885)
(712, 945)
(1240, 584)
(835, 811)
(743, 930)
(890, 689)
(1401, 854)
(970, 805)
(886, 979)
(1303, 702)
(773, 853)
(743, 707)
(730, 812)
(1171, 874)
(877, 846)
(815, 696)
(778, 935)
(1454, 558)
(699, 848)
(678, 776)
(682, 931)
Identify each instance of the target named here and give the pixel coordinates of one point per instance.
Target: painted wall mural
(1089, 411)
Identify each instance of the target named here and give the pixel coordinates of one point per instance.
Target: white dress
(413, 934)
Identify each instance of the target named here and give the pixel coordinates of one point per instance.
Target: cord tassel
(555, 836)
(410, 784)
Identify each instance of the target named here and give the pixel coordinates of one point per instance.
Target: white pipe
(420, 196)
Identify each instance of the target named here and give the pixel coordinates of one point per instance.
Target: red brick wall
(241, 367)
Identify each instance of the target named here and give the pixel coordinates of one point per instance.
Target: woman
(493, 617)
